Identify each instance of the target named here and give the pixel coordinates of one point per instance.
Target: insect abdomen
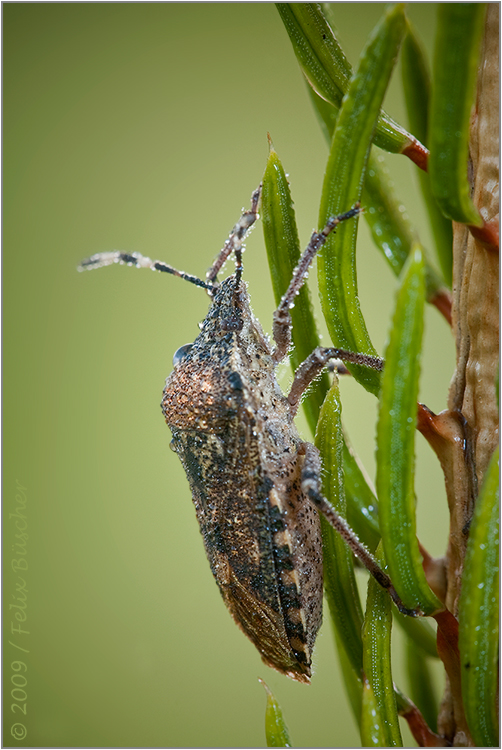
(257, 560)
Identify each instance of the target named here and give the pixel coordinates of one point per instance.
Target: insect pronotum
(255, 483)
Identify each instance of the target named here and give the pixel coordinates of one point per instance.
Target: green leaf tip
(283, 253)
(276, 730)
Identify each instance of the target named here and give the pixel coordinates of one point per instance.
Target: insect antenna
(140, 261)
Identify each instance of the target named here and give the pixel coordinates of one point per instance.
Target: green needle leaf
(456, 58)
(339, 579)
(377, 663)
(283, 251)
(329, 72)
(342, 188)
(276, 730)
(391, 232)
(317, 50)
(416, 82)
(362, 513)
(420, 632)
(421, 683)
(479, 614)
(417, 85)
(396, 441)
(352, 678)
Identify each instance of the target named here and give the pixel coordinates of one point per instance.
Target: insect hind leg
(311, 473)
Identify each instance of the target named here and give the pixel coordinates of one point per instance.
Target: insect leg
(139, 261)
(311, 474)
(234, 242)
(282, 318)
(315, 362)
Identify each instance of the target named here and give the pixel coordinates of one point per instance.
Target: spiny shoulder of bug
(227, 375)
(230, 325)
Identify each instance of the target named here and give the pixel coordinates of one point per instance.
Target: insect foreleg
(311, 473)
(282, 318)
(234, 242)
(315, 362)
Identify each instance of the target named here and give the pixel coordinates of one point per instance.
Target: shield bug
(255, 483)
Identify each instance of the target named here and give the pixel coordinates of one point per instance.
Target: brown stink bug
(255, 483)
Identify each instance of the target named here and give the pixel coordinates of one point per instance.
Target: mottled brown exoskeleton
(255, 483)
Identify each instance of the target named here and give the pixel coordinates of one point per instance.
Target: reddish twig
(487, 235)
(419, 728)
(418, 154)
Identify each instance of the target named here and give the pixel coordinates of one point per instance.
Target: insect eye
(180, 353)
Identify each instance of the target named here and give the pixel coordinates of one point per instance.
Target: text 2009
(19, 697)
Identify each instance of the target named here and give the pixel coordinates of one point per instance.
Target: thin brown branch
(422, 733)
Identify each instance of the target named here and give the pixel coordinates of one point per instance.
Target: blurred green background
(142, 126)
